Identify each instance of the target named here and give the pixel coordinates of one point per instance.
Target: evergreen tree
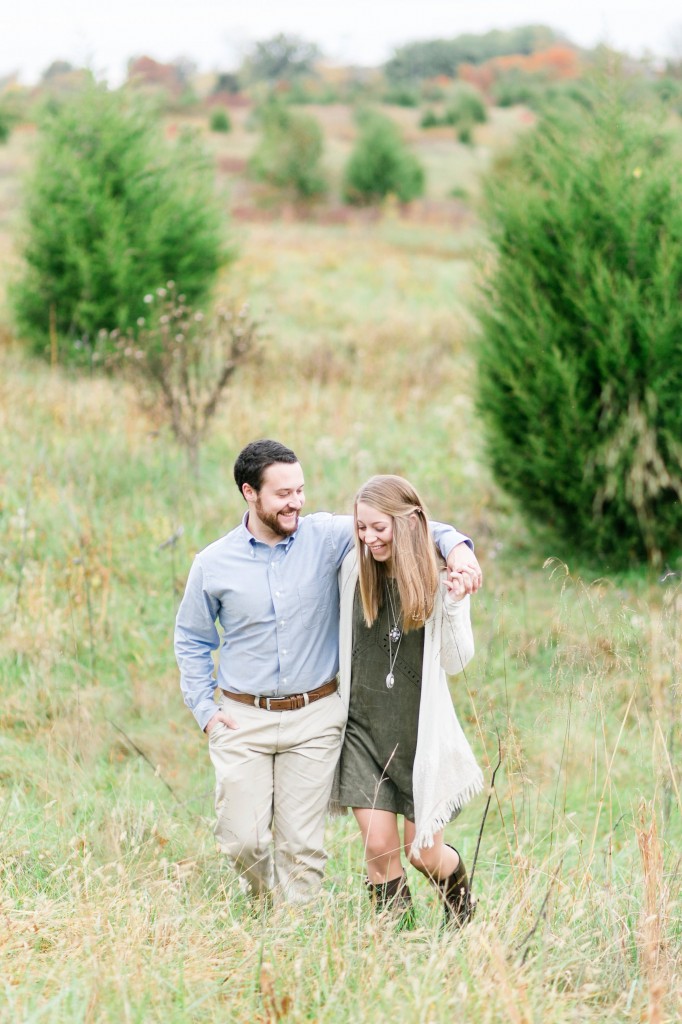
(381, 164)
(111, 213)
(289, 154)
(581, 350)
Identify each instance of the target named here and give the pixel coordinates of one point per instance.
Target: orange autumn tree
(554, 64)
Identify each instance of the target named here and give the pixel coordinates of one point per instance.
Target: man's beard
(271, 520)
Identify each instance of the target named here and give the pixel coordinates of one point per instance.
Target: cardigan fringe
(424, 838)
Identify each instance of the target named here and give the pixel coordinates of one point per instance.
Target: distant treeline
(531, 64)
(436, 57)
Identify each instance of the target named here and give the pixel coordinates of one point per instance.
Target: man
(274, 737)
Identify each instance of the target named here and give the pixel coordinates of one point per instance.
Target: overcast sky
(103, 34)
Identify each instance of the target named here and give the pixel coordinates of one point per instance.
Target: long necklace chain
(395, 636)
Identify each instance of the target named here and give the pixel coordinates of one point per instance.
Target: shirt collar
(251, 541)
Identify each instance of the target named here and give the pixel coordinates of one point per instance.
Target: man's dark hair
(253, 460)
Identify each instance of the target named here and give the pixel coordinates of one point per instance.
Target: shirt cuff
(459, 539)
(204, 712)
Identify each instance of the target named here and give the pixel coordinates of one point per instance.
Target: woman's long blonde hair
(414, 560)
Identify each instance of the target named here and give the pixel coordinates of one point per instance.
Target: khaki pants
(273, 781)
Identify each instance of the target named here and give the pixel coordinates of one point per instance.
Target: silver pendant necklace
(395, 635)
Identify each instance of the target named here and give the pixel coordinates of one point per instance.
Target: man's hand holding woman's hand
(464, 572)
(459, 584)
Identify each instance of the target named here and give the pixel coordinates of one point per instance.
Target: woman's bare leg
(382, 843)
(437, 862)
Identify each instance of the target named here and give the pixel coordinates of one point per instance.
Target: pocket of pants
(217, 728)
(341, 709)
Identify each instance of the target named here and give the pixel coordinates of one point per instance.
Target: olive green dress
(381, 734)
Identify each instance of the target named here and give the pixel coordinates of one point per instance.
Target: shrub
(110, 212)
(429, 119)
(402, 96)
(580, 367)
(181, 362)
(310, 90)
(220, 120)
(289, 154)
(465, 134)
(466, 107)
(669, 91)
(515, 88)
(540, 95)
(5, 125)
(381, 164)
(14, 107)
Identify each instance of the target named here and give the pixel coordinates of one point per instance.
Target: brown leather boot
(394, 899)
(458, 906)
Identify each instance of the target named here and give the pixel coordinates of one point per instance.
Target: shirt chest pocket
(315, 602)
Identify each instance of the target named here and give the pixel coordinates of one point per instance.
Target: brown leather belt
(292, 703)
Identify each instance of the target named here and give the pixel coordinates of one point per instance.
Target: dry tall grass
(115, 905)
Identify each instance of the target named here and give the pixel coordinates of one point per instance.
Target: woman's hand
(459, 584)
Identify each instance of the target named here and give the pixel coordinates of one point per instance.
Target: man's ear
(249, 493)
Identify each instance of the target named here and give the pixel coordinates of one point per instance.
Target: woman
(404, 624)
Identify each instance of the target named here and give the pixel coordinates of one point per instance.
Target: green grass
(114, 904)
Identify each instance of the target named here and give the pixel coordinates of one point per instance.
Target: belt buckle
(267, 704)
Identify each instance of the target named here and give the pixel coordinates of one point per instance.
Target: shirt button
(282, 622)
(285, 651)
(277, 593)
(284, 680)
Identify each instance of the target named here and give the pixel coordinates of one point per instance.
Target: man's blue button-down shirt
(278, 609)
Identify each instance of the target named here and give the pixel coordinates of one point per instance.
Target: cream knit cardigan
(445, 775)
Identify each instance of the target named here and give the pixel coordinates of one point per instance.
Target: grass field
(115, 905)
